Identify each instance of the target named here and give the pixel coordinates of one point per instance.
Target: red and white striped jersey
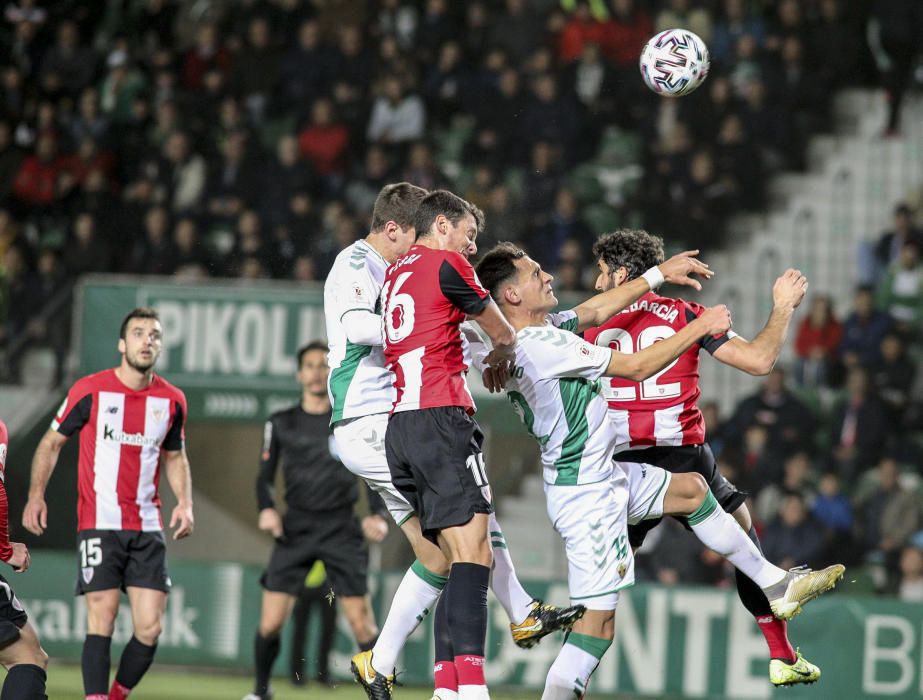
(426, 296)
(662, 410)
(122, 433)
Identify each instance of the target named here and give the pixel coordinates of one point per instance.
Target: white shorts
(361, 447)
(593, 521)
(647, 488)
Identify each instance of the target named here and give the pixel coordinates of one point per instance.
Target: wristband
(654, 277)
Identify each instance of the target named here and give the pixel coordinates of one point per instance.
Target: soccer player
(129, 419)
(21, 654)
(362, 397)
(554, 387)
(658, 420)
(432, 444)
(319, 523)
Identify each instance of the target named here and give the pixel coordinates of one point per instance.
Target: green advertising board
(670, 642)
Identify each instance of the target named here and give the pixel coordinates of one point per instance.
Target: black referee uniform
(319, 523)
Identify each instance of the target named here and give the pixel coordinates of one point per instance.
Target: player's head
(141, 338)
(393, 216)
(448, 221)
(516, 281)
(313, 368)
(625, 254)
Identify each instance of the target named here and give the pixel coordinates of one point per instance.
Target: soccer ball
(674, 62)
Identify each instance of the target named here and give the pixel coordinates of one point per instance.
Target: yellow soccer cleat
(543, 620)
(799, 586)
(376, 685)
(782, 673)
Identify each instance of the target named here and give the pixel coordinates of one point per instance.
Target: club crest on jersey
(159, 414)
(87, 573)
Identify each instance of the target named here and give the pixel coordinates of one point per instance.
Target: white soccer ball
(674, 62)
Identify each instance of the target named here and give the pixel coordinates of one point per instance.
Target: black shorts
(334, 538)
(11, 609)
(680, 460)
(436, 462)
(109, 559)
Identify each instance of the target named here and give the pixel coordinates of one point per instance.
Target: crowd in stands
(248, 139)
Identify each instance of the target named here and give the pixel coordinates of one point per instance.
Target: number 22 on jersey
(620, 340)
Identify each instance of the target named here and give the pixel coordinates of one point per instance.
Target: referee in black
(319, 522)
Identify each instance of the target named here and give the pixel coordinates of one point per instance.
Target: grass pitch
(64, 683)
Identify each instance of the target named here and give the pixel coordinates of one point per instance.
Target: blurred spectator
(626, 33)
(67, 67)
(549, 116)
(900, 292)
(910, 588)
(182, 173)
(421, 168)
(323, 143)
(283, 179)
(834, 45)
(580, 30)
(366, 182)
(895, 35)
(833, 512)
(10, 160)
(793, 537)
(541, 183)
(40, 179)
(232, 183)
(87, 251)
(20, 301)
(863, 330)
(190, 257)
(797, 478)
(517, 29)
(89, 121)
(858, 427)
(255, 69)
(817, 343)
(887, 250)
(672, 557)
(788, 421)
(122, 84)
(893, 377)
(890, 514)
(563, 225)
(303, 69)
(686, 14)
(756, 461)
(733, 23)
(397, 117)
(444, 84)
(205, 54)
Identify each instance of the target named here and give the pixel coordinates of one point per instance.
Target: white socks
(413, 600)
(503, 580)
(570, 673)
(719, 532)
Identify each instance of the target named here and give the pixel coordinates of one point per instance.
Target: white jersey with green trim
(359, 383)
(554, 388)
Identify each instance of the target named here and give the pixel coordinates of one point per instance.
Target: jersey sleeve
(461, 286)
(557, 353)
(474, 347)
(710, 342)
(74, 411)
(565, 320)
(176, 435)
(269, 462)
(357, 291)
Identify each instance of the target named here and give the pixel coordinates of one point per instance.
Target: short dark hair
(311, 347)
(498, 266)
(396, 202)
(634, 249)
(140, 312)
(437, 202)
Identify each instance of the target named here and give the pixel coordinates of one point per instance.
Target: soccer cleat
(543, 620)
(254, 696)
(782, 673)
(799, 586)
(376, 685)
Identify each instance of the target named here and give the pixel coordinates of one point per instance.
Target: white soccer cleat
(799, 586)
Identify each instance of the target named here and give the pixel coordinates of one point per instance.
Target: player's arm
(759, 355)
(269, 519)
(35, 514)
(179, 476)
(362, 327)
(646, 363)
(360, 322)
(677, 270)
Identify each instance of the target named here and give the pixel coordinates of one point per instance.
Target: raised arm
(598, 309)
(646, 363)
(362, 327)
(759, 355)
(179, 476)
(35, 514)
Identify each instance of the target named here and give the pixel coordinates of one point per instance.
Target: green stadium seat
(274, 129)
(601, 218)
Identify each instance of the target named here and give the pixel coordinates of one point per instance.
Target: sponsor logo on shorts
(87, 572)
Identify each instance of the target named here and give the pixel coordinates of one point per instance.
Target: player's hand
(20, 559)
(492, 380)
(374, 527)
(717, 319)
(789, 289)
(35, 516)
(182, 520)
(270, 521)
(500, 360)
(677, 270)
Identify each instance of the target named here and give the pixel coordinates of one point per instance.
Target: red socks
(776, 633)
(470, 669)
(445, 676)
(118, 691)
